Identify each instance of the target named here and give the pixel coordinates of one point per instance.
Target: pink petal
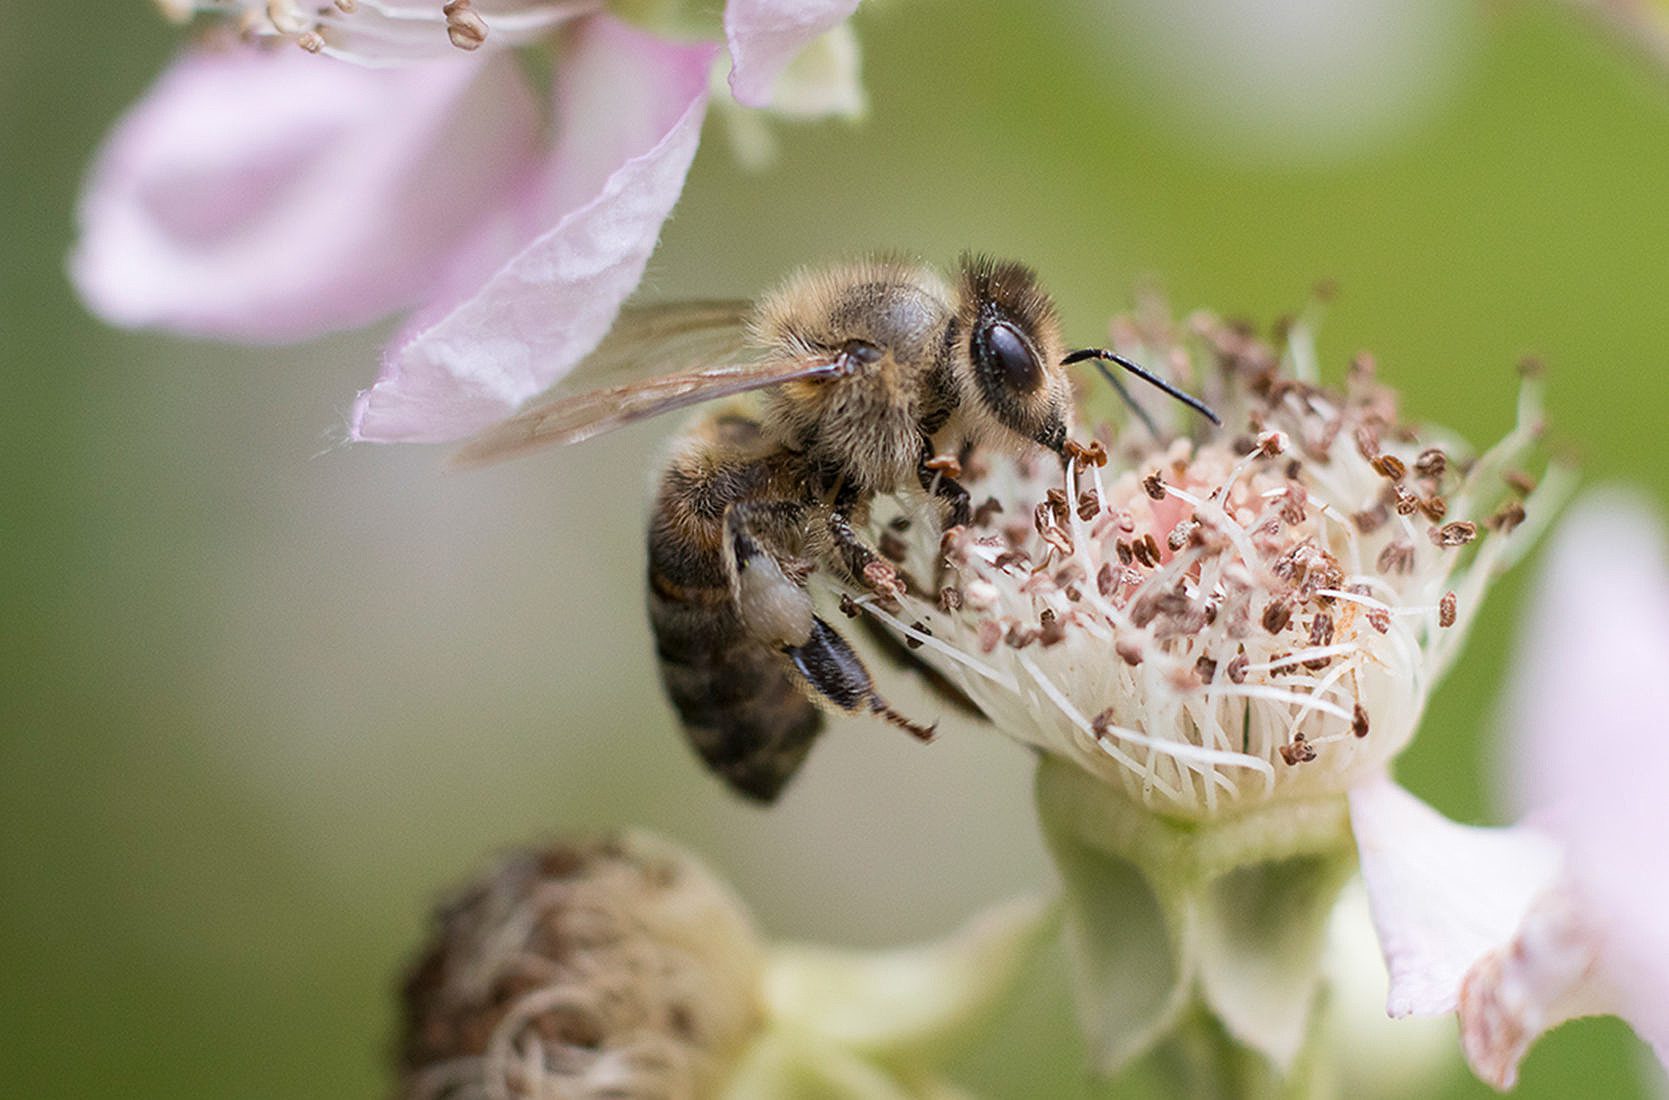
(629, 111)
(273, 195)
(765, 35)
(1590, 735)
(1548, 974)
(1442, 894)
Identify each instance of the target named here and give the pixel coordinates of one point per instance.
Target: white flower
(1230, 617)
(1213, 638)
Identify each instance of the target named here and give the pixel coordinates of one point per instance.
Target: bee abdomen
(738, 700)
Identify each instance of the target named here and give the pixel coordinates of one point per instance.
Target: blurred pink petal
(1589, 721)
(273, 196)
(1550, 972)
(1442, 894)
(765, 35)
(629, 109)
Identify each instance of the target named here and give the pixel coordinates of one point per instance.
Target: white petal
(615, 177)
(1442, 894)
(765, 35)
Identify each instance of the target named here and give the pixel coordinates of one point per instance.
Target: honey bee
(871, 377)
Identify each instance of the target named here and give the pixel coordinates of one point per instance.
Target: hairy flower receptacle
(1215, 620)
(611, 967)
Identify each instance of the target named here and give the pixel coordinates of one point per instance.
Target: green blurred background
(263, 699)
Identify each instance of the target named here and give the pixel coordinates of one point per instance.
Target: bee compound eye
(1009, 358)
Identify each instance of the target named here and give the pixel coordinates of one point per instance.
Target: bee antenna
(1102, 357)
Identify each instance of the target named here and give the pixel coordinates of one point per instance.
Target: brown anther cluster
(1260, 592)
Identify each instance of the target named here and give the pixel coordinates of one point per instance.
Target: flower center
(1213, 623)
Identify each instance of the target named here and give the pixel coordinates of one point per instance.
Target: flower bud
(604, 968)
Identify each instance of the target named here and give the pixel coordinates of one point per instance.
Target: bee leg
(773, 605)
(865, 564)
(834, 671)
(937, 474)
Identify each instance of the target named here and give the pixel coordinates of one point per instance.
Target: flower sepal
(1181, 930)
(848, 1023)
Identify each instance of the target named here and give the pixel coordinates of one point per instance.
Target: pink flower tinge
(260, 193)
(1520, 929)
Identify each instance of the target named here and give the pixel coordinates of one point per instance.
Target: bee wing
(577, 417)
(649, 340)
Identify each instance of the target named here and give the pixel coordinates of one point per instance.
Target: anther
(1431, 463)
(1520, 482)
(1277, 615)
(1397, 557)
(1299, 751)
(464, 27)
(1371, 519)
(312, 42)
(1435, 508)
(1154, 486)
(1508, 518)
(1458, 533)
(1446, 610)
(1359, 721)
(1389, 466)
(1367, 442)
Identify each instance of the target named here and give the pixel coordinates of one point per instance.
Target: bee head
(1014, 379)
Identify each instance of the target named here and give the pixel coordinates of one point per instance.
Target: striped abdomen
(738, 698)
